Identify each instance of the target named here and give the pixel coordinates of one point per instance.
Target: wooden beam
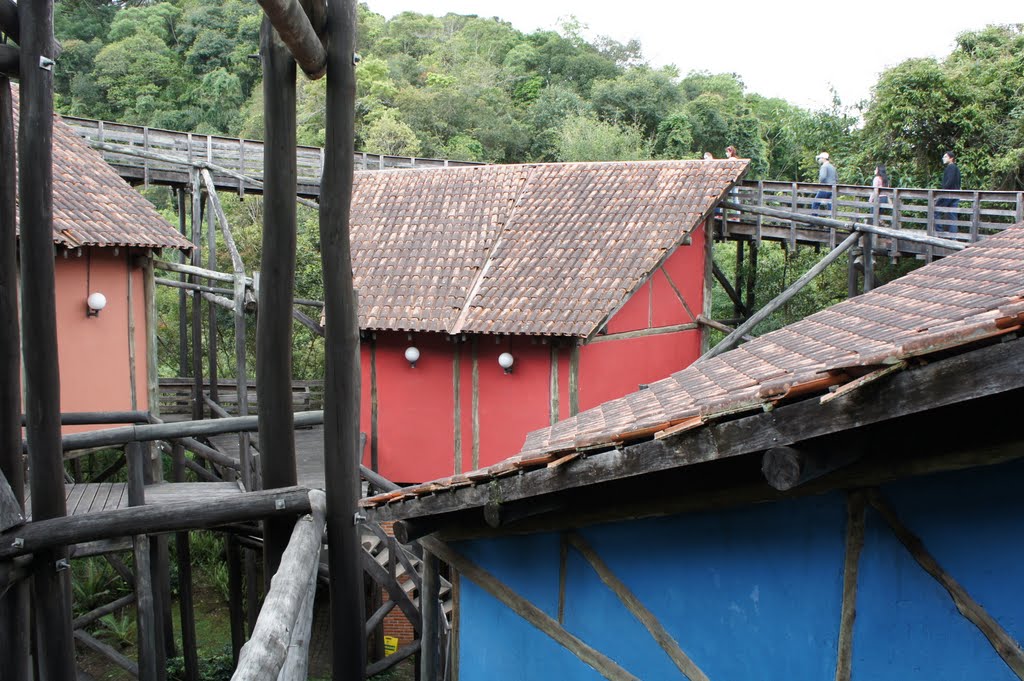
(602, 664)
(901, 234)
(107, 651)
(733, 338)
(786, 467)
(1004, 644)
(701, 319)
(186, 609)
(430, 611)
(393, 659)
(642, 333)
(176, 516)
(175, 430)
(855, 505)
(295, 30)
(991, 370)
(264, 655)
(341, 348)
(194, 270)
(729, 290)
(638, 609)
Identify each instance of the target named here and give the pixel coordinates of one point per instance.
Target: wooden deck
(91, 497)
(309, 453)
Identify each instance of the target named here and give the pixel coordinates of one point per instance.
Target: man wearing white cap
(826, 175)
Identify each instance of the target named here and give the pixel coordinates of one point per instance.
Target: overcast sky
(795, 49)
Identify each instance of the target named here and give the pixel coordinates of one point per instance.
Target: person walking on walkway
(826, 175)
(950, 181)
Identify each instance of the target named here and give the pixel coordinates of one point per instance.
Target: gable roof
(92, 205)
(974, 295)
(552, 249)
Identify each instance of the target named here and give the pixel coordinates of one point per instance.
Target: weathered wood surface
(241, 157)
(150, 519)
(264, 655)
(786, 467)
(993, 370)
(294, 29)
(107, 651)
(1003, 643)
(855, 505)
(175, 394)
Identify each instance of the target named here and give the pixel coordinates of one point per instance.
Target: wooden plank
(855, 506)
(1004, 644)
(643, 614)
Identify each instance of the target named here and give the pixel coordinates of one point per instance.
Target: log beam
(786, 467)
(170, 517)
(296, 31)
(10, 59)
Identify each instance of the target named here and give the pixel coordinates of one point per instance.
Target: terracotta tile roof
(973, 295)
(549, 249)
(93, 206)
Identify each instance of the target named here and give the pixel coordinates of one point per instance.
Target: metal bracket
(279, 503)
(358, 518)
(45, 63)
(18, 542)
(61, 565)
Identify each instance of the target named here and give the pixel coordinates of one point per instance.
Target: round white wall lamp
(505, 361)
(94, 303)
(412, 355)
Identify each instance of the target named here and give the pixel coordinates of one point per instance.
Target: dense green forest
(475, 88)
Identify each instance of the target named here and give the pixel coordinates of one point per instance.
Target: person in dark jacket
(950, 181)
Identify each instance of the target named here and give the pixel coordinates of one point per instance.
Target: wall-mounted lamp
(94, 303)
(505, 361)
(412, 355)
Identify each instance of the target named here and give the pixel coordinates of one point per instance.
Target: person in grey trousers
(826, 175)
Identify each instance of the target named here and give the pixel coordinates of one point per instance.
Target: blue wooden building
(838, 499)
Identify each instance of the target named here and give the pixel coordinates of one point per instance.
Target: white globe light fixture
(505, 361)
(412, 355)
(94, 303)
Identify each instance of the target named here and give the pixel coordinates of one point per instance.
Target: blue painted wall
(755, 593)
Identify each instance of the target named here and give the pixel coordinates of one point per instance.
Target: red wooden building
(498, 299)
(105, 235)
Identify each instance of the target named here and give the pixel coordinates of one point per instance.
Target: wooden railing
(975, 215)
(234, 154)
(176, 395)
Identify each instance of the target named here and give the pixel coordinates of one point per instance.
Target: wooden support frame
(9, 22)
(855, 505)
(297, 32)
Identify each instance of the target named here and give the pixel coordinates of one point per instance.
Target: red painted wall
(511, 405)
(93, 351)
(416, 412)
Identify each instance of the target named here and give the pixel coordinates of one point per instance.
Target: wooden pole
(277, 284)
(297, 35)
(10, 60)
(197, 315)
(265, 653)
(182, 297)
(235, 607)
(185, 599)
(341, 350)
(146, 624)
(211, 309)
(752, 274)
(14, 639)
(173, 516)
(430, 611)
(51, 587)
(733, 338)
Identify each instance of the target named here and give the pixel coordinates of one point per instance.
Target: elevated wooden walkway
(90, 497)
(238, 155)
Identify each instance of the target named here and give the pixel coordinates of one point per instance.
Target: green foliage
(118, 630)
(218, 666)
(93, 583)
(585, 138)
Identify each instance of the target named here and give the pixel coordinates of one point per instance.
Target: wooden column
(430, 612)
(146, 621)
(182, 296)
(185, 601)
(197, 315)
(51, 587)
(211, 309)
(277, 283)
(341, 393)
(752, 272)
(14, 639)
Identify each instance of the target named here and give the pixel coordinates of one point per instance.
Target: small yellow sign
(390, 645)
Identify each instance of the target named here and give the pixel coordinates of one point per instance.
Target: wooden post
(14, 639)
(185, 601)
(341, 350)
(430, 612)
(277, 284)
(51, 588)
(751, 300)
(144, 602)
(235, 597)
(197, 317)
(182, 296)
(211, 309)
